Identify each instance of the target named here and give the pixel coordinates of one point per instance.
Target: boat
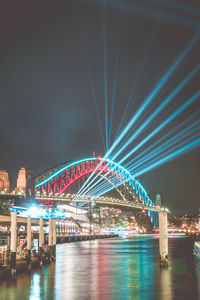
(197, 248)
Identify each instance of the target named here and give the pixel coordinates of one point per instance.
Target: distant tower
(25, 183)
(4, 182)
(159, 201)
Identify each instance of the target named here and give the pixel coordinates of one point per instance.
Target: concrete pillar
(8, 239)
(41, 239)
(163, 240)
(13, 245)
(18, 236)
(54, 239)
(50, 237)
(29, 246)
(65, 227)
(60, 227)
(8, 245)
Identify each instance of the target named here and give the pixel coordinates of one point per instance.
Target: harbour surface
(118, 268)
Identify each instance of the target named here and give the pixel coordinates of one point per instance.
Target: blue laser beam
(158, 87)
(164, 137)
(167, 100)
(171, 156)
(174, 115)
(138, 80)
(89, 188)
(186, 148)
(109, 189)
(158, 151)
(161, 126)
(97, 113)
(114, 88)
(90, 180)
(102, 187)
(104, 182)
(147, 101)
(168, 17)
(109, 181)
(95, 182)
(91, 82)
(108, 162)
(164, 146)
(156, 112)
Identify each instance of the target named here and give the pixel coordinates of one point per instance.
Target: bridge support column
(54, 239)
(163, 240)
(18, 236)
(60, 227)
(41, 240)
(65, 227)
(8, 240)
(28, 258)
(50, 238)
(13, 245)
(8, 245)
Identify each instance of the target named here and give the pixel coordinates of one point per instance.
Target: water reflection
(42, 284)
(35, 287)
(184, 278)
(112, 269)
(165, 284)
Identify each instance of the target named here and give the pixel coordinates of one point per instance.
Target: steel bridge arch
(58, 180)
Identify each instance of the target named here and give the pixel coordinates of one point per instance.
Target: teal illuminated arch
(91, 164)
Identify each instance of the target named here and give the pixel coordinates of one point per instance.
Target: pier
(19, 258)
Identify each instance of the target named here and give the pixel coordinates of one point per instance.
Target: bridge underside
(102, 201)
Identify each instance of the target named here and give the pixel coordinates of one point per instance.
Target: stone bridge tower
(25, 183)
(4, 182)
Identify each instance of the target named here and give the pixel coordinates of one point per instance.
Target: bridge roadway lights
(41, 239)
(13, 245)
(28, 258)
(163, 240)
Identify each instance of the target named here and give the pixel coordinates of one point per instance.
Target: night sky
(51, 54)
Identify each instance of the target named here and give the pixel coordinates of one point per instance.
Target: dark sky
(49, 51)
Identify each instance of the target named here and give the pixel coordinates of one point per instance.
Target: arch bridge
(54, 184)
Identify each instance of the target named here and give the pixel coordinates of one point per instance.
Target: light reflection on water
(112, 269)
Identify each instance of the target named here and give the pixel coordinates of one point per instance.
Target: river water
(112, 269)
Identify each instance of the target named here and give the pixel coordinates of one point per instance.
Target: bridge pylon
(25, 183)
(163, 240)
(163, 229)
